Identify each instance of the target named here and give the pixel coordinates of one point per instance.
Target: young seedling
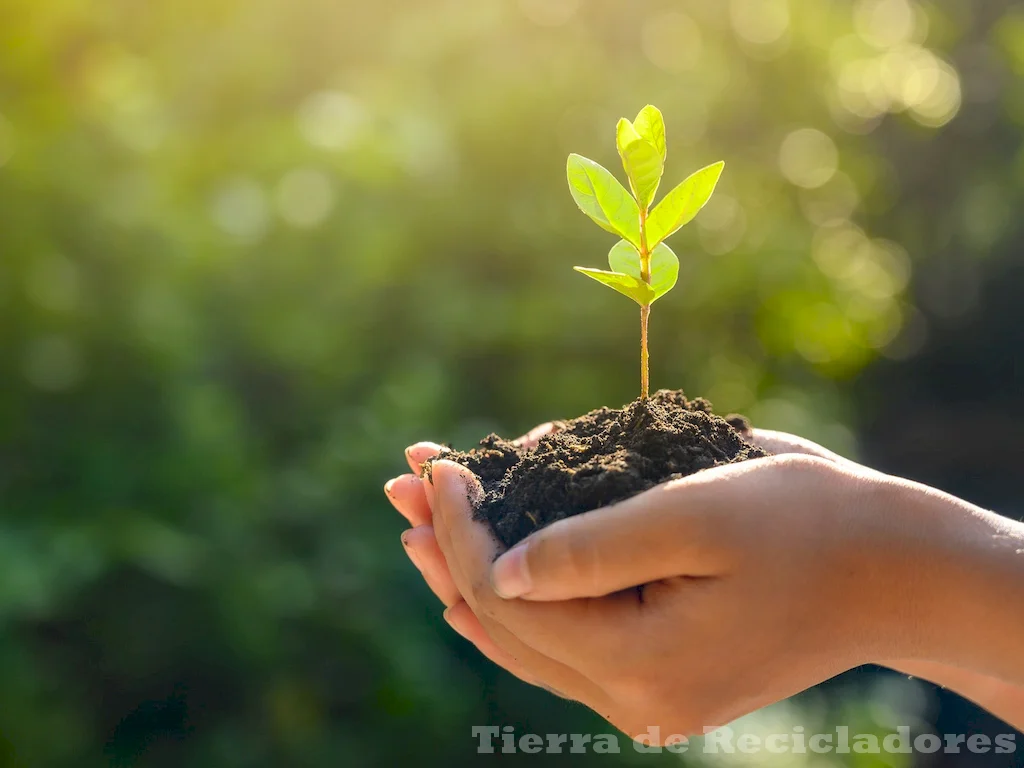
(642, 266)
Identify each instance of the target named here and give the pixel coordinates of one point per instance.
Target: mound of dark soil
(598, 459)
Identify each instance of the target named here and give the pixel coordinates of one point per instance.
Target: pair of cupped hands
(759, 579)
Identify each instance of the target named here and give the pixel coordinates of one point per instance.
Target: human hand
(764, 589)
(412, 496)
(483, 617)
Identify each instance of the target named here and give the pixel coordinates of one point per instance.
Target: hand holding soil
(709, 596)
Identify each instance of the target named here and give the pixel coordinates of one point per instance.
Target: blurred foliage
(250, 250)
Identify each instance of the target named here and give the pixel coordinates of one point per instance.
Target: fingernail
(411, 552)
(510, 576)
(415, 462)
(451, 623)
(389, 485)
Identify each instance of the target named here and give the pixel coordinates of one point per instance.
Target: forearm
(964, 569)
(1002, 699)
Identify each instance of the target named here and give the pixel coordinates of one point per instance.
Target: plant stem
(645, 311)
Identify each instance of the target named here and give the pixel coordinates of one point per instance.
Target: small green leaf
(643, 163)
(624, 258)
(650, 126)
(625, 134)
(679, 206)
(627, 285)
(599, 195)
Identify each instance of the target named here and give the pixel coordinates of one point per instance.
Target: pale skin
(761, 579)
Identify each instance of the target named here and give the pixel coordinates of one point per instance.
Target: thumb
(658, 534)
(783, 442)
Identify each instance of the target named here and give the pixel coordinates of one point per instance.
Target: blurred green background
(251, 250)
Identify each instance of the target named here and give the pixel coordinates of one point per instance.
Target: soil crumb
(598, 459)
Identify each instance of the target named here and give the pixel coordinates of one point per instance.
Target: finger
(462, 619)
(671, 530)
(418, 453)
(421, 546)
(531, 438)
(451, 490)
(556, 631)
(455, 487)
(405, 493)
(779, 443)
(783, 442)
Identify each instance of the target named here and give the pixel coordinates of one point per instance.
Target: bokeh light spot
(832, 203)
(332, 120)
(903, 78)
(935, 95)
(672, 41)
(305, 197)
(422, 146)
(808, 158)
(721, 225)
(124, 89)
(762, 22)
(883, 23)
(822, 333)
(239, 208)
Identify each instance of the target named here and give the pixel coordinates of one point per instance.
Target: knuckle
(573, 558)
(804, 463)
(815, 473)
(580, 557)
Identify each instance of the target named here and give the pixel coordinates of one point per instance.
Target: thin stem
(645, 253)
(645, 311)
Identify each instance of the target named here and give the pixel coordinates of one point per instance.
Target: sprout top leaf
(650, 125)
(642, 162)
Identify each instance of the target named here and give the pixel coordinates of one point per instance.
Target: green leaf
(599, 195)
(643, 164)
(624, 258)
(627, 285)
(650, 126)
(625, 134)
(679, 206)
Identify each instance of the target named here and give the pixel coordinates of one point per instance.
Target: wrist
(958, 575)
